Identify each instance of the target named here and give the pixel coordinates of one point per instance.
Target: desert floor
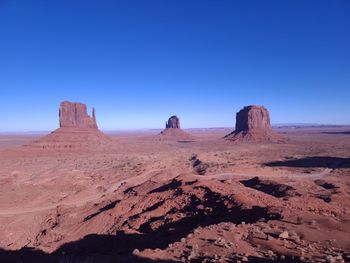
(208, 200)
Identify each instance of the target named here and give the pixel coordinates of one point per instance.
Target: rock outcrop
(78, 131)
(74, 115)
(252, 118)
(173, 122)
(253, 125)
(173, 131)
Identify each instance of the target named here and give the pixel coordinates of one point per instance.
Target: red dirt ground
(173, 201)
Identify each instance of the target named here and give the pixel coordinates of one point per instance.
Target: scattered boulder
(198, 166)
(253, 125)
(330, 188)
(284, 235)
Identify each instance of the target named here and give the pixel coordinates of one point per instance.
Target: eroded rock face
(77, 132)
(173, 122)
(251, 118)
(173, 131)
(74, 115)
(253, 125)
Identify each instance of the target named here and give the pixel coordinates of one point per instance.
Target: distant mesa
(74, 115)
(78, 131)
(173, 122)
(253, 125)
(173, 131)
(252, 118)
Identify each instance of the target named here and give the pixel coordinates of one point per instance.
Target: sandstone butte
(77, 131)
(253, 125)
(74, 115)
(173, 131)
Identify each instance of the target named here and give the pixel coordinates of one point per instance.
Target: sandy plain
(206, 200)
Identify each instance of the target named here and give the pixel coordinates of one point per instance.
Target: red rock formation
(173, 122)
(253, 125)
(172, 131)
(74, 115)
(74, 139)
(78, 131)
(251, 118)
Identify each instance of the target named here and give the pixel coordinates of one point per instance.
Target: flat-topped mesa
(253, 125)
(74, 115)
(252, 118)
(173, 123)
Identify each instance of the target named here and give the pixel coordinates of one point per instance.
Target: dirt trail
(138, 180)
(303, 176)
(132, 181)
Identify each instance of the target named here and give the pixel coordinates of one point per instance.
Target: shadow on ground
(316, 161)
(93, 243)
(92, 248)
(343, 132)
(120, 247)
(270, 187)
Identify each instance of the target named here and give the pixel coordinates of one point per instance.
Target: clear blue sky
(138, 62)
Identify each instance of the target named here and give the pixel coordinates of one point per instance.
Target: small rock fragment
(284, 235)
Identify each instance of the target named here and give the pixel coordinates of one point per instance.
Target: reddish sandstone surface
(77, 131)
(253, 125)
(173, 131)
(74, 115)
(173, 122)
(155, 201)
(73, 139)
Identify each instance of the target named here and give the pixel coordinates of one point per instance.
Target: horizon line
(275, 125)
